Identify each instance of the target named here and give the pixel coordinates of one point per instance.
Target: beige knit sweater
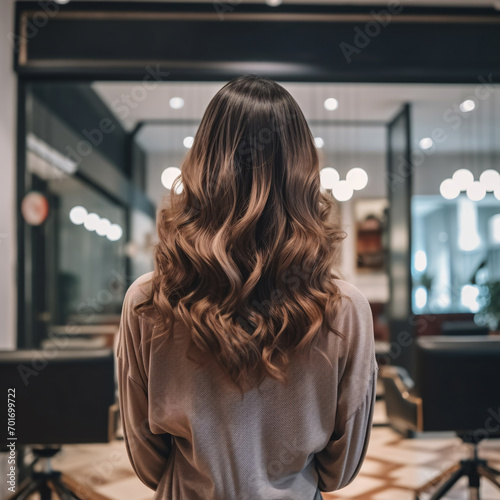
(191, 435)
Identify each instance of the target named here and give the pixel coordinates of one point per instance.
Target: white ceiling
(433, 106)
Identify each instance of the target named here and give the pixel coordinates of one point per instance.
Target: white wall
(374, 285)
(7, 186)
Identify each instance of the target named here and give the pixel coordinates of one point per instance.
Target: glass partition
(456, 206)
(456, 245)
(88, 259)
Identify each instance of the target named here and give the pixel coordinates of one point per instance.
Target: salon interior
(101, 101)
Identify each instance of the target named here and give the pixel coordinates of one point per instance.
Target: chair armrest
(404, 408)
(400, 376)
(114, 421)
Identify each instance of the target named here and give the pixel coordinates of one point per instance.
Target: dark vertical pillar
(399, 177)
(22, 289)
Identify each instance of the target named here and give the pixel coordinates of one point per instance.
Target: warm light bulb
(329, 177)
(342, 191)
(490, 179)
(476, 191)
(331, 104)
(91, 222)
(420, 261)
(357, 178)
(114, 232)
(169, 175)
(426, 143)
(103, 227)
(467, 105)
(176, 102)
(463, 178)
(319, 142)
(77, 215)
(449, 189)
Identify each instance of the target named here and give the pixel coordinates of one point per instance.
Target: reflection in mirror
(456, 207)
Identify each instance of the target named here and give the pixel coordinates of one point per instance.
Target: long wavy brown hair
(247, 248)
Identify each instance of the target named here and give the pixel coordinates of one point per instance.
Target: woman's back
(246, 369)
(192, 434)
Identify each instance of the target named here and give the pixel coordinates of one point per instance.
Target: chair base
(47, 483)
(474, 469)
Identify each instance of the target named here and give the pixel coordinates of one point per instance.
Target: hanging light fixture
(357, 178)
(463, 180)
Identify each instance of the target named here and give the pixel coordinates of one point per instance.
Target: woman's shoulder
(354, 320)
(139, 289)
(352, 293)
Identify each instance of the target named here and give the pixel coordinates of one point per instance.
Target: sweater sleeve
(148, 452)
(340, 461)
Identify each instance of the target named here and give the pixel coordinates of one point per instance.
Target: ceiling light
(91, 221)
(494, 228)
(114, 233)
(476, 191)
(331, 104)
(169, 175)
(188, 141)
(273, 3)
(490, 179)
(468, 232)
(420, 297)
(426, 143)
(449, 189)
(463, 178)
(467, 105)
(343, 191)
(357, 178)
(420, 261)
(77, 215)
(61, 2)
(329, 177)
(319, 142)
(176, 102)
(103, 227)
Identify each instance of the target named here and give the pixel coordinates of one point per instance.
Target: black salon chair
(456, 389)
(54, 398)
(467, 328)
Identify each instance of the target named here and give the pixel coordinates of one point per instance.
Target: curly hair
(247, 239)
